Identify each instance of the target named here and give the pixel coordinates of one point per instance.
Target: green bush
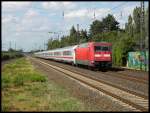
(10, 55)
(5, 56)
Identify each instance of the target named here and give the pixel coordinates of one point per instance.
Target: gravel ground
(92, 99)
(138, 74)
(131, 85)
(133, 73)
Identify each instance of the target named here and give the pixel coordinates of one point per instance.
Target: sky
(25, 25)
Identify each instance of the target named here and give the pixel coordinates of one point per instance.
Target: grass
(26, 89)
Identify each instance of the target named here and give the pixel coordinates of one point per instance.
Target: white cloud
(9, 23)
(31, 13)
(7, 19)
(58, 5)
(50, 5)
(76, 13)
(125, 12)
(128, 10)
(15, 6)
(84, 13)
(32, 22)
(31, 19)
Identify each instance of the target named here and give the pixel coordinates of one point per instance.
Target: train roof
(99, 43)
(74, 46)
(58, 49)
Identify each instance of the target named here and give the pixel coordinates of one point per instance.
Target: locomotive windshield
(102, 48)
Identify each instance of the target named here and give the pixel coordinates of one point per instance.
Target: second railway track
(114, 76)
(125, 76)
(131, 99)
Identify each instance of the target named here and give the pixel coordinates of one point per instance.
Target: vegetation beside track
(6, 55)
(26, 89)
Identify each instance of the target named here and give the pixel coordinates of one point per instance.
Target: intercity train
(92, 54)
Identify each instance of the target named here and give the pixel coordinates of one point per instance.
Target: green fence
(138, 60)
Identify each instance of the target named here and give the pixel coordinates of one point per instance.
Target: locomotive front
(102, 54)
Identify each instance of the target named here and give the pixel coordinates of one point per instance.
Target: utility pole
(15, 45)
(142, 31)
(35, 46)
(58, 37)
(78, 34)
(44, 45)
(9, 44)
(63, 14)
(142, 27)
(94, 15)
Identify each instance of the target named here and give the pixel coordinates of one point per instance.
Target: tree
(49, 44)
(11, 50)
(83, 36)
(146, 27)
(121, 49)
(64, 41)
(52, 44)
(129, 26)
(107, 24)
(72, 31)
(110, 23)
(136, 18)
(96, 27)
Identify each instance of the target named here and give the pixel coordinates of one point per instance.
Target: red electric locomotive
(94, 54)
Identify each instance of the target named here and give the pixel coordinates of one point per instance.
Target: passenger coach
(66, 54)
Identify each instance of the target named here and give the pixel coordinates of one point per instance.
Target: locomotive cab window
(102, 48)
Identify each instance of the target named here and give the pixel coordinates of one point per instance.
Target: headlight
(106, 55)
(98, 55)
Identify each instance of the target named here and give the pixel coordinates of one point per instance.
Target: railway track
(129, 73)
(91, 75)
(124, 76)
(127, 77)
(127, 98)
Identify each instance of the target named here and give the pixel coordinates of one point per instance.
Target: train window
(105, 48)
(50, 54)
(102, 48)
(67, 53)
(56, 53)
(97, 48)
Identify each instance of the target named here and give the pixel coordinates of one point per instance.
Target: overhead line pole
(9, 44)
(142, 26)
(15, 45)
(78, 40)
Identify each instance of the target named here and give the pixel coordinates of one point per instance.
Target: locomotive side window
(105, 48)
(97, 48)
(102, 48)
